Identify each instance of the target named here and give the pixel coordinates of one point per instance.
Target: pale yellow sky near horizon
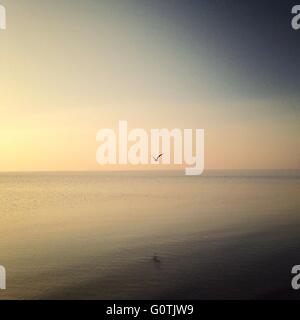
(65, 74)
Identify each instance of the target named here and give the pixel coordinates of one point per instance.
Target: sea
(150, 235)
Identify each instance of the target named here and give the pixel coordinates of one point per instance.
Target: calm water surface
(93, 235)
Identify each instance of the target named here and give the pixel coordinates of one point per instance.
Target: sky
(69, 68)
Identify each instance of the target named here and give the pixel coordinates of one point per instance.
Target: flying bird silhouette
(157, 158)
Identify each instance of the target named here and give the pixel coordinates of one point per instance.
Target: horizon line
(141, 170)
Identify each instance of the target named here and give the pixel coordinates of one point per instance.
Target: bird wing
(156, 159)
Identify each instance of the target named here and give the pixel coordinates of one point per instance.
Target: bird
(156, 259)
(157, 158)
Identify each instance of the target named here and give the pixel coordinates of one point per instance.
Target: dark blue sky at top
(253, 38)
